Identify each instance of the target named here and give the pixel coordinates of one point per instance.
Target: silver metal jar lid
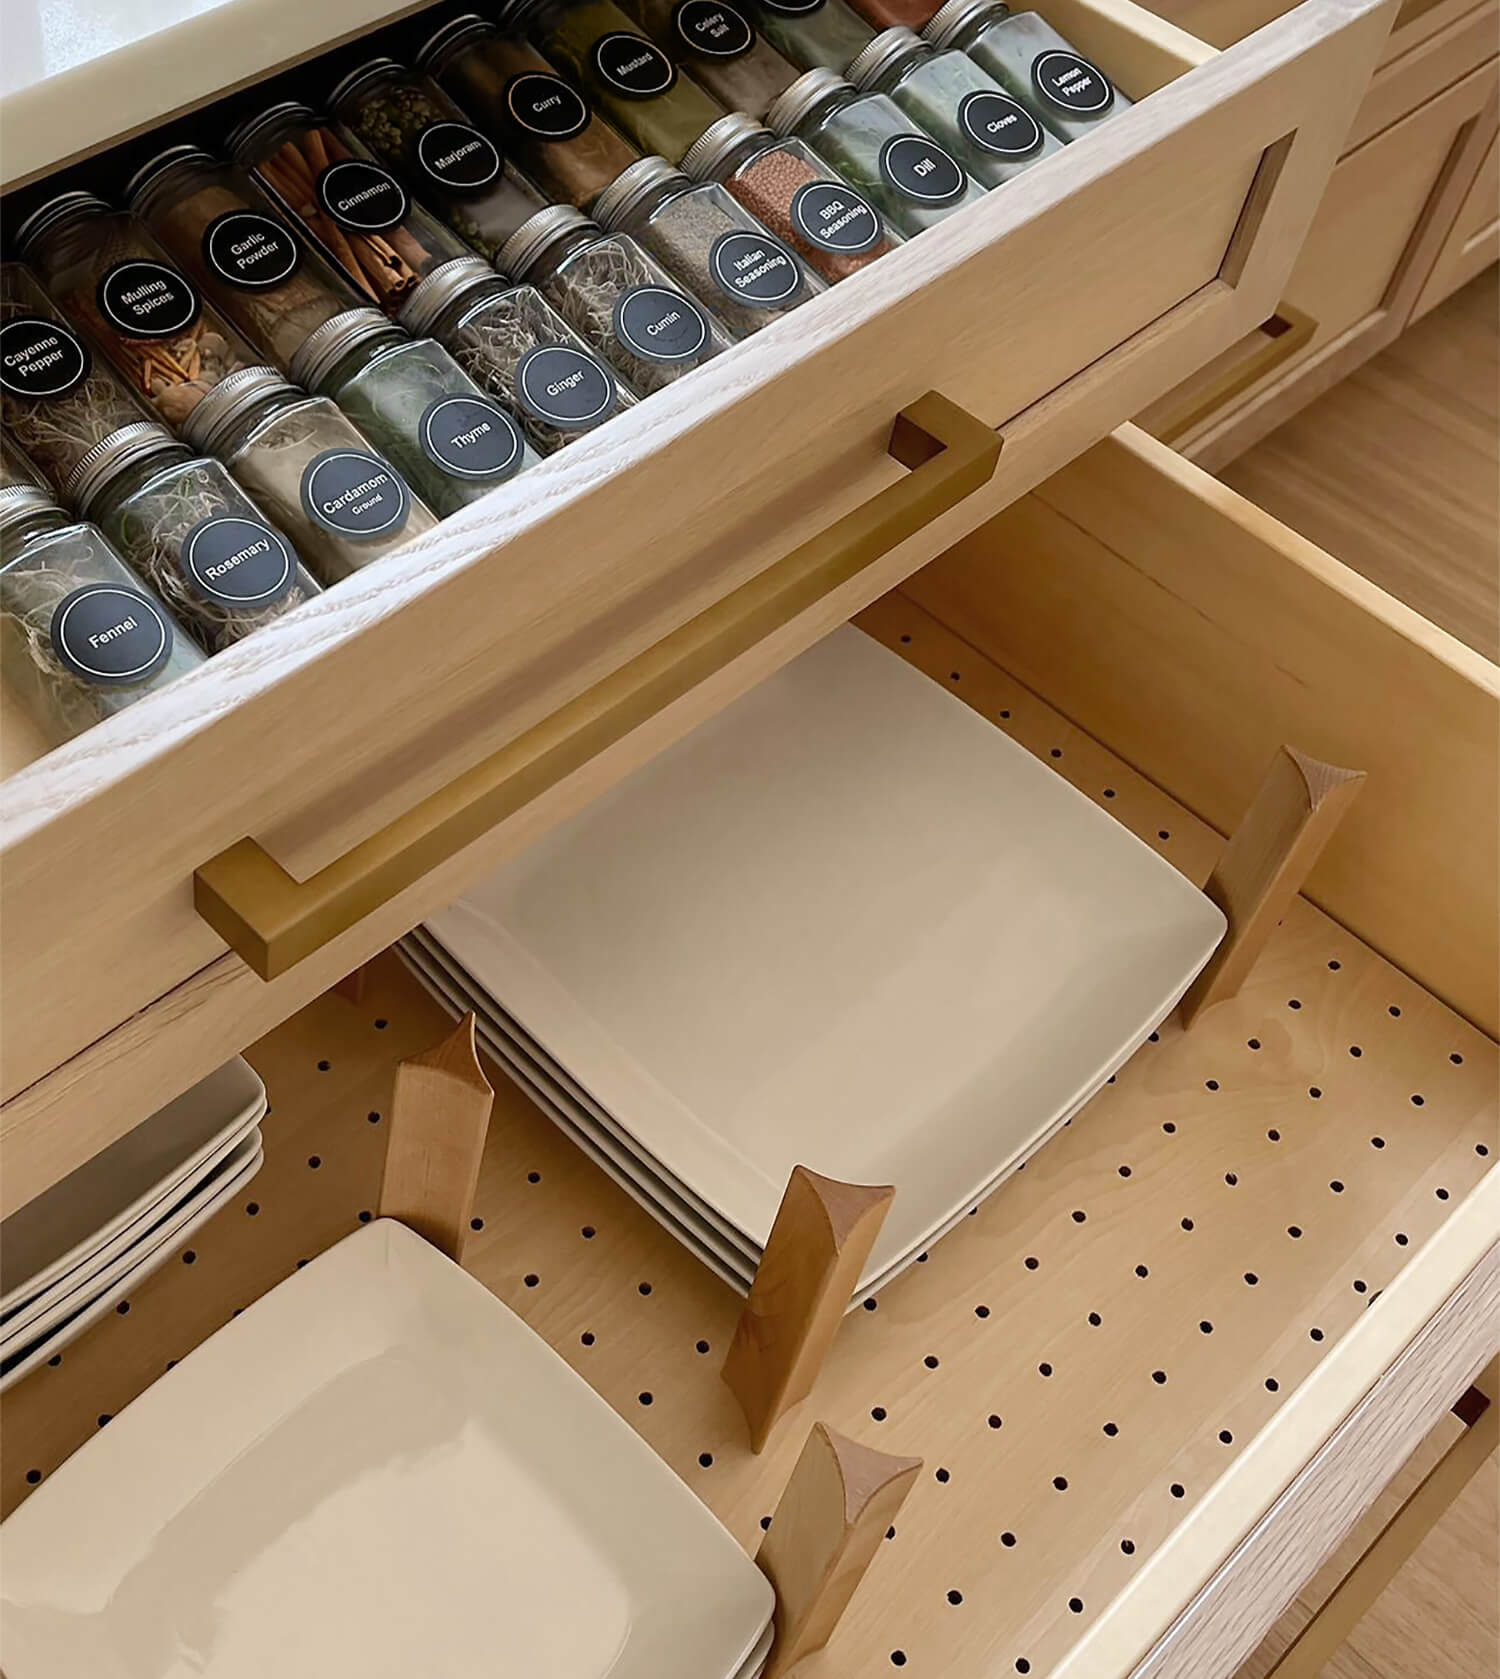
(949, 18)
(511, 15)
(322, 349)
(809, 90)
(707, 154)
(371, 70)
(538, 234)
(889, 48)
(64, 207)
(214, 416)
(633, 186)
(138, 189)
(466, 26)
(439, 287)
(242, 136)
(17, 500)
(111, 456)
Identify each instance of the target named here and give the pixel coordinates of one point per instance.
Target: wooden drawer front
(1425, 70)
(1473, 242)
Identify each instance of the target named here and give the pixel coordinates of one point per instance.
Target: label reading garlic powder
(469, 438)
(238, 562)
(250, 251)
(660, 325)
(834, 217)
(110, 635)
(354, 494)
(754, 268)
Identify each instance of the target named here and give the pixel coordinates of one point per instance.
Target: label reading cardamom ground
(237, 562)
(660, 325)
(469, 438)
(919, 168)
(1071, 83)
(713, 29)
(754, 268)
(110, 635)
(354, 494)
(457, 157)
(631, 65)
(361, 196)
(250, 251)
(545, 106)
(997, 123)
(147, 299)
(834, 217)
(564, 386)
(39, 358)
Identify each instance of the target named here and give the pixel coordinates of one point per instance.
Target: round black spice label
(632, 65)
(564, 386)
(1071, 83)
(660, 325)
(995, 122)
(147, 299)
(792, 8)
(250, 251)
(237, 562)
(470, 438)
(545, 106)
(713, 29)
(354, 494)
(919, 168)
(457, 157)
(110, 635)
(361, 196)
(834, 217)
(755, 269)
(39, 358)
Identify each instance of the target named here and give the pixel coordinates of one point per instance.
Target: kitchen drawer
(1473, 241)
(1050, 311)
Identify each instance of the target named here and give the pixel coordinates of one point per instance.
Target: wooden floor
(1397, 472)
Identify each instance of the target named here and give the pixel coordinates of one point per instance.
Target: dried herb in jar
(717, 45)
(814, 34)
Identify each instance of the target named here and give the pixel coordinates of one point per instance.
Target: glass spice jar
(80, 637)
(186, 527)
(625, 74)
(1030, 60)
(987, 129)
(719, 48)
(894, 14)
(617, 298)
(55, 400)
(510, 90)
(814, 34)
(714, 247)
(15, 468)
(218, 225)
(874, 145)
(407, 120)
(786, 186)
(314, 473)
(513, 344)
(137, 309)
(415, 404)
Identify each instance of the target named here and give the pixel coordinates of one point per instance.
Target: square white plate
(376, 1469)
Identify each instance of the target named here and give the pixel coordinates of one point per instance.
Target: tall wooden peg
(836, 1509)
(819, 1243)
(1265, 863)
(440, 1114)
(354, 985)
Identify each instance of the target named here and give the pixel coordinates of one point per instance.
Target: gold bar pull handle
(273, 921)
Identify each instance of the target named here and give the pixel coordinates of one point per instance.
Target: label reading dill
(834, 217)
(237, 562)
(564, 386)
(545, 106)
(754, 268)
(361, 196)
(997, 123)
(713, 29)
(250, 251)
(660, 325)
(354, 494)
(110, 635)
(469, 438)
(39, 358)
(147, 299)
(632, 65)
(1072, 84)
(457, 157)
(919, 169)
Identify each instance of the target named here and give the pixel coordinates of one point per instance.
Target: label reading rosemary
(354, 494)
(920, 169)
(713, 29)
(237, 562)
(545, 106)
(110, 635)
(834, 217)
(1071, 83)
(40, 358)
(147, 299)
(362, 196)
(250, 251)
(457, 157)
(754, 268)
(564, 386)
(469, 438)
(660, 325)
(997, 123)
(631, 65)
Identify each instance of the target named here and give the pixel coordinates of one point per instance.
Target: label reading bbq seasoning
(834, 217)
(1071, 83)
(919, 168)
(995, 122)
(545, 106)
(457, 157)
(147, 299)
(354, 494)
(250, 251)
(754, 268)
(237, 562)
(110, 635)
(40, 358)
(361, 196)
(632, 65)
(564, 387)
(469, 438)
(660, 325)
(713, 29)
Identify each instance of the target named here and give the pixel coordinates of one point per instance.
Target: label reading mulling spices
(632, 65)
(110, 635)
(997, 123)
(147, 299)
(469, 438)
(713, 29)
(237, 562)
(457, 157)
(660, 325)
(919, 168)
(250, 251)
(754, 268)
(40, 358)
(354, 494)
(564, 386)
(545, 106)
(834, 218)
(362, 196)
(1071, 83)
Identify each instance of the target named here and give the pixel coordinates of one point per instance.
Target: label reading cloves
(632, 65)
(361, 196)
(997, 123)
(834, 217)
(713, 29)
(457, 157)
(469, 438)
(39, 358)
(660, 325)
(354, 494)
(919, 168)
(754, 268)
(110, 635)
(565, 387)
(1071, 83)
(545, 106)
(237, 562)
(250, 251)
(147, 299)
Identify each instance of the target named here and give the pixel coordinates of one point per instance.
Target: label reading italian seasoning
(632, 65)
(754, 268)
(250, 251)
(147, 299)
(457, 157)
(469, 438)
(660, 325)
(997, 123)
(713, 29)
(545, 106)
(564, 387)
(238, 562)
(354, 494)
(362, 196)
(1071, 83)
(40, 358)
(919, 168)
(110, 635)
(835, 218)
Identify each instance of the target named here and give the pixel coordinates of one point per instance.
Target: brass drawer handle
(273, 921)
(1277, 341)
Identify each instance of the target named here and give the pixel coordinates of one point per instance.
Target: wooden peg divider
(440, 1114)
(822, 1236)
(1265, 863)
(837, 1507)
(353, 986)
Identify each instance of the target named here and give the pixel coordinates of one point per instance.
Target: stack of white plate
(847, 923)
(71, 1254)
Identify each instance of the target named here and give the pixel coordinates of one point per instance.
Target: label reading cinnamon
(39, 358)
(147, 299)
(237, 562)
(834, 217)
(457, 157)
(1071, 83)
(660, 325)
(545, 106)
(632, 65)
(250, 251)
(713, 29)
(110, 635)
(361, 196)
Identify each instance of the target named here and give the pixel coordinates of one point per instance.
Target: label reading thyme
(110, 635)
(631, 65)
(713, 29)
(564, 386)
(40, 358)
(250, 251)
(920, 169)
(147, 299)
(457, 157)
(754, 268)
(660, 325)
(237, 562)
(354, 494)
(362, 196)
(545, 106)
(1071, 83)
(834, 217)
(469, 438)
(997, 123)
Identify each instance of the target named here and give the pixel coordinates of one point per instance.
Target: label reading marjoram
(632, 65)
(545, 106)
(565, 387)
(354, 494)
(238, 562)
(110, 635)
(1071, 83)
(469, 438)
(714, 29)
(39, 358)
(919, 169)
(834, 217)
(660, 325)
(754, 269)
(362, 196)
(999, 124)
(147, 299)
(250, 251)
(457, 157)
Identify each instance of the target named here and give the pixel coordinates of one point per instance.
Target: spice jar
(719, 48)
(875, 146)
(80, 637)
(55, 400)
(989, 131)
(619, 300)
(314, 473)
(786, 186)
(1029, 59)
(718, 250)
(15, 468)
(407, 121)
(138, 310)
(814, 34)
(894, 14)
(510, 90)
(219, 226)
(626, 75)
(415, 404)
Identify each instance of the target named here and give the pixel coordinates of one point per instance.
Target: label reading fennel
(147, 299)
(457, 157)
(835, 218)
(361, 196)
(469, 438)
(39, 358)
(110, 635)
(354, 494)
(919, 169)
(545, 106)
(565, 387)
(713, 29)
(250, 251)
(1071, 83)
(995, 122)
(755, 269)
(237, 562)
(632, 65)
(660, 325)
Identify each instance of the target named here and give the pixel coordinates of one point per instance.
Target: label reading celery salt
(354, 494)
(919, 168)
(1071, 83)
(834, 218)
(564, 387)
(469, 438)
(457, 157)
(39, 358)
(361, 196)
(545, 106)
(147, 299)
(660, 325)
(632, 65)
(237, 562)
(713, 29)
(997, 123)
(110, 635)
(250, 251)
(754, 268)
